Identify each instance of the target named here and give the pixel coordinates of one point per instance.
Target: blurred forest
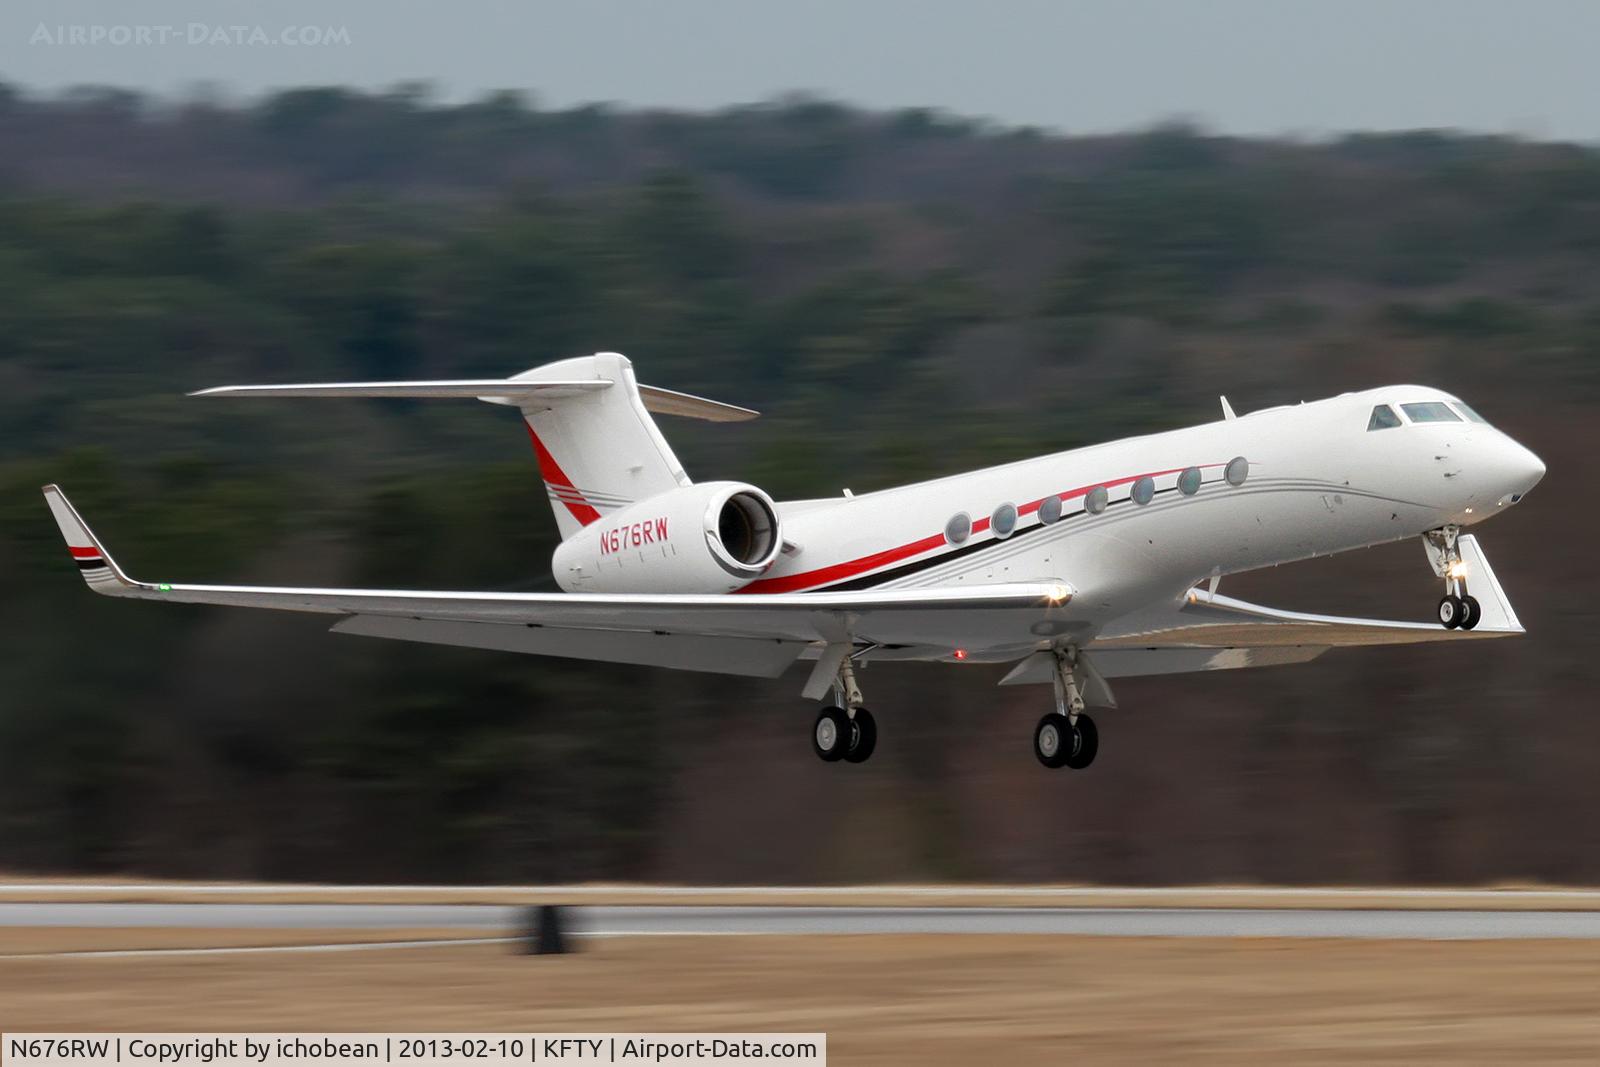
(902, 295)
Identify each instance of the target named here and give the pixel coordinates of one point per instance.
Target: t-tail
(597, 446)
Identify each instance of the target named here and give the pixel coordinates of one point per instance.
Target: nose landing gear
(1457, 608)
(1459, 611)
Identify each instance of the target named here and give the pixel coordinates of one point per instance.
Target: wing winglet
(1498, 614)
(99, 570)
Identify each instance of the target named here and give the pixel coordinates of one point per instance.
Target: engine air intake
(747, 530)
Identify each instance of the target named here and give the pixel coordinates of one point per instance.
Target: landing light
(1057, 593)
(1458, 569)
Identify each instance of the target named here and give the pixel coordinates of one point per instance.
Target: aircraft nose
(1522, 471)
(1536, 469)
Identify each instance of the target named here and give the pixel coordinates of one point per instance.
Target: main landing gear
(1067, 736)
(845, 730)
(1457, 608)
(844, 735)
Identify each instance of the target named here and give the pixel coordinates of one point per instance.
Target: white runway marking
(230, 950)
(1479, 896)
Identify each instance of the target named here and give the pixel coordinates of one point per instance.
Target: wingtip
(99, 570)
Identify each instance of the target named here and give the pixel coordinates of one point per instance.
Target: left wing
(758, 634)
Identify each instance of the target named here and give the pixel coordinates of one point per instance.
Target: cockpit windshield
(1472, 416)
(1430, 411)
(1383, 417)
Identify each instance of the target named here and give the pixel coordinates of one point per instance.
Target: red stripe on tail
(551, 472)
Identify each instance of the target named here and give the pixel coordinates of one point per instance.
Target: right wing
(1207, 632)
(758, 634)
(1206, 620)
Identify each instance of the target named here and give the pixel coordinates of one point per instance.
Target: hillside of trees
(902, 295)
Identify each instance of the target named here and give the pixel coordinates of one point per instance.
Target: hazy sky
(1249, 66)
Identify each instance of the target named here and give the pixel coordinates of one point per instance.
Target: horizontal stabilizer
(667, 402)
(513, 391)
(464, 388)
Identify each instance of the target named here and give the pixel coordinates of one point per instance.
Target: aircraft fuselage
(1314, 480)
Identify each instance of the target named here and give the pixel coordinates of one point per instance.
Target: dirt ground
(950, 999)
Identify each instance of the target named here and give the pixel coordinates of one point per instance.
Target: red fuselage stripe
(838, 572)
(551, 472)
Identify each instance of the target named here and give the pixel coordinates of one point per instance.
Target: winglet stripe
(93, 561)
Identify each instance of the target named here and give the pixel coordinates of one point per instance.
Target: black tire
(1052, 740)
(1471, 612)
(1088, 744)
(1450, 611)
(830, 734)
(864, 737)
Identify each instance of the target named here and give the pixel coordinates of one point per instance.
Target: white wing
(1208, 632)
(1208, 621)
(758, 634)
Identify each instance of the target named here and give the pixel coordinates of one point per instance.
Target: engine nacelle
(712, 537)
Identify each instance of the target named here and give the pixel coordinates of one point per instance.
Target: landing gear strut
(1067, 736)
(845, 730)
(1457, 608)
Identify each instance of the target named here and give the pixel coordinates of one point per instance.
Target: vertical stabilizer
(598, 450)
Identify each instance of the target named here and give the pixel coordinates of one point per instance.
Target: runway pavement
(611, 921)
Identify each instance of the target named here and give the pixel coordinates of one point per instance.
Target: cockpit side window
(1472, 416)
(1383, 417)
(1430, 411)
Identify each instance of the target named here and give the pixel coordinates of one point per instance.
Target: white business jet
(1074, 568)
